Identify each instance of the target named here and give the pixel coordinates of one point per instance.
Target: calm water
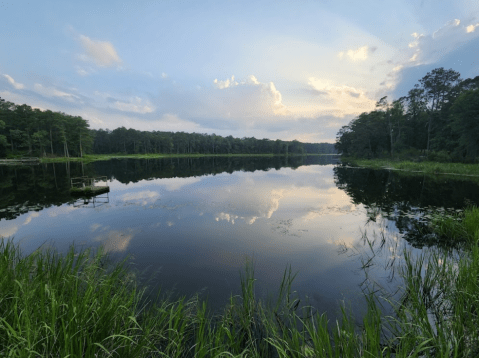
(194, 222)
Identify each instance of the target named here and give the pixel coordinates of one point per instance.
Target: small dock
(20, 161)
(85, 186)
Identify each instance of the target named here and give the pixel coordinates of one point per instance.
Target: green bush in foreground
(78, 305)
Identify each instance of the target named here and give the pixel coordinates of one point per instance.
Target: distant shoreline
(99, 157)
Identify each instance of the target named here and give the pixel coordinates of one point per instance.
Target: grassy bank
(98, 157)
(421, 167)
(80, 305)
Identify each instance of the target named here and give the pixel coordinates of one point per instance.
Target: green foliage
(131, 141)
(34, 132)
(439, 117)
(462, 226)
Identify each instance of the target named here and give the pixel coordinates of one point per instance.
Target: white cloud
(135, 104)
(246, 99)
(426, 49)
(226, 84)
(164, 75)
(15, 85)
(53, 92)
(101, 52)
(359, 54)
(472, 28)
(339, 101)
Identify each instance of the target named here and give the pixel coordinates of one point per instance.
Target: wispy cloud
(136, 105)
(15, 84)
(102, 53)
(53, 92)
(247, 98)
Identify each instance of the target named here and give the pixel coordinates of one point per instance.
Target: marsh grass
(427, 167)
(82, 305)
(462, 227)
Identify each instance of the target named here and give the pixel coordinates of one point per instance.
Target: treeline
(132, 141)
(34, 132)
(28, 131)
(439, 118)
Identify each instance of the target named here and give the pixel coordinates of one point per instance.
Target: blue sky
(297, 69)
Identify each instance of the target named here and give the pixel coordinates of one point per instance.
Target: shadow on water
(409, 201)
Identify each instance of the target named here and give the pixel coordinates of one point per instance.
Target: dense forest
(439, 118)
(33, 132)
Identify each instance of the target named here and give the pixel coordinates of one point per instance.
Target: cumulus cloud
(136, 105)
(15, 85)
(227, 83)
(53, 92)
(426, 49)
(247, 98)
(101, 52)
(472, 27)
(340, 101)
(359, 54)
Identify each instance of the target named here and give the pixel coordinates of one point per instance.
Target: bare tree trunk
(51, 140)
(81, 149)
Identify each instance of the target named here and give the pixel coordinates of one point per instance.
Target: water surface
(194, 222)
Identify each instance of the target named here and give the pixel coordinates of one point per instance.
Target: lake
(191, 224)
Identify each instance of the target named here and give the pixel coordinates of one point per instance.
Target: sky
(283, 69)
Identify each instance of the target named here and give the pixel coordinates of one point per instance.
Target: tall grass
(428, 167)
(461, 226)
(82, 305)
